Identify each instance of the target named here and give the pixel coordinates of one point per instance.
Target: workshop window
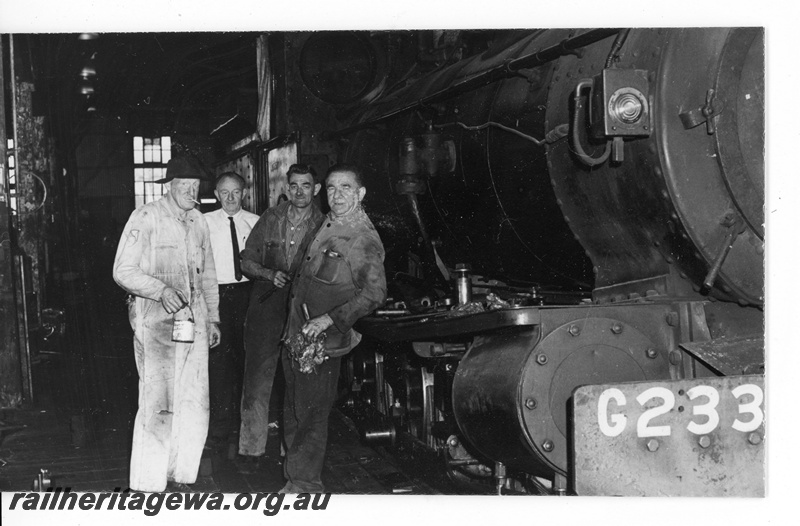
(150, 158)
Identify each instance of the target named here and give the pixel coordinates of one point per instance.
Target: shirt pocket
(332, 267)
(271, 253)
(167, 258)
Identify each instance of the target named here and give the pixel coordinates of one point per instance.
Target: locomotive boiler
(561, 209)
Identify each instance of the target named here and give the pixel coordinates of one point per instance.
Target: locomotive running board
(729, 356)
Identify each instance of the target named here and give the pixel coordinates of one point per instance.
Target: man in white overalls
(164, 261)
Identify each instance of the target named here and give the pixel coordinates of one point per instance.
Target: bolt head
(651, 353)
(754, 438)
(675, 357)
(672, 319)
(548, 445)
(530, 403)
(652, 445)
(704, 441)
(574, 329)
(541, 359)
(452, 442)
(616, 328)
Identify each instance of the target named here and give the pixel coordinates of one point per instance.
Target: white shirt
(221, 245)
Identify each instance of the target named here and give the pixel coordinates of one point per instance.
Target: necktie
(237, 265)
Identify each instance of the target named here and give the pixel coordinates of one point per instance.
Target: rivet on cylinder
(616, 328)
(704, 441)
(672, 319)
(754, 438)
(530, 403)
(574, 330)
(548, 445)
(541, 359)
(651, 353)
(652, 445)
(675, 357)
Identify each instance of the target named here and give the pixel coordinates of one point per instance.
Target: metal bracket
(734, 225)
(706, 113)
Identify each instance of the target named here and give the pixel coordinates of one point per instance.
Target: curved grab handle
(579, 151)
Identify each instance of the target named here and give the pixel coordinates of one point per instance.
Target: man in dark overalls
(342, 279)
(271, 257)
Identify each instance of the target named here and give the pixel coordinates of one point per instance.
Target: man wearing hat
(164, 260)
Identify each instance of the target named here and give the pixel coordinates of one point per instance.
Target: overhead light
(88, 71)
(88, 36)
(86, 88)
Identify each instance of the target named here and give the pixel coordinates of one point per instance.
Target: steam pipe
(502, 71)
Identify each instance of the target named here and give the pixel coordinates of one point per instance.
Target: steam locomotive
(573, 219)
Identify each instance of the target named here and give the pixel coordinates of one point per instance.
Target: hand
(315, 326)
(281, 279)
(172, 300)
(214, 335)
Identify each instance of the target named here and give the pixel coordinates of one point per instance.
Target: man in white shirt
(229, 227)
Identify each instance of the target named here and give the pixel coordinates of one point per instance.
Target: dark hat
(184, 168)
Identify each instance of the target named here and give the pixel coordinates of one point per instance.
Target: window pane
(148, 142)
(148, 155)
(157, 155)
(137, 143)
(148, 174)
(138, 157)
(138, 174)
(157, 143)
(166, 143)
(10, 144)
(11, 161)
(166, 155)
(138, 188)
(158, 173)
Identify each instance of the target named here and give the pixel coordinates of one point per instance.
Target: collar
(224, 214)
(355, 217)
